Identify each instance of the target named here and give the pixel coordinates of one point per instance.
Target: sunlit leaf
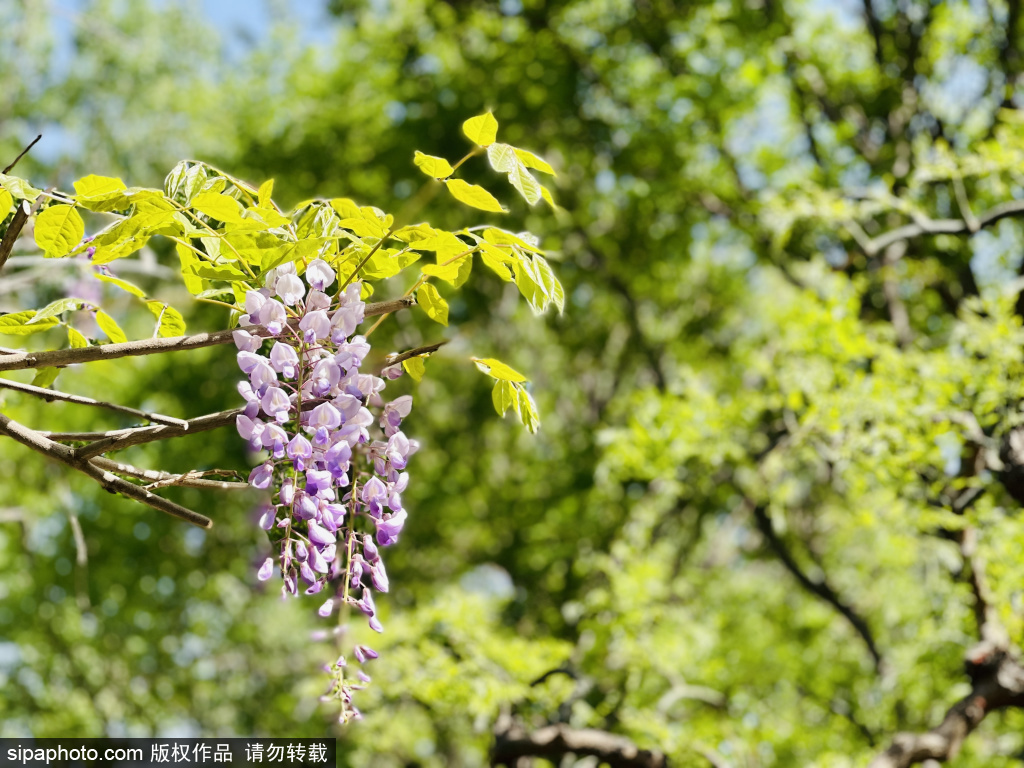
(110, 327)
(435, 167)
(415, 367)
(59, 229)
(531, 160)
(481, 130)
(474, 195)
(498, 370)
(431, 302)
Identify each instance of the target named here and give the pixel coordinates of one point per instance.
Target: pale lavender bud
(315, 587)
(398, 451)
(365, 603)
(337, 460)
(301, 551)
(317, 561)
(369, 549)
(319, 274)
(364, 653)
(375, 624)
(379, 576)
(262, 376)
(267, 519)
(392, 372)
(266, 570)
(363, 676)
(318, 535)
(307, 573)
(287, 493)
(252, 400)
(325, 377)
(290, 289)
(326, 608)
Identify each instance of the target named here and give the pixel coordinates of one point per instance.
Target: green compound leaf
(531, 160)
(432, 303)
(58, 230)
(435, 167)
(55, 308)
(520, 178)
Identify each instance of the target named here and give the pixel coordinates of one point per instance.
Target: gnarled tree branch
(512, 741)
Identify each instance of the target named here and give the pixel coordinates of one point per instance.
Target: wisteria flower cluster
(335, 470)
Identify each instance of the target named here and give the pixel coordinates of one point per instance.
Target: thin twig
(394, 359)
(24, 152)
(159, 478)
(13, 231)
(51, 394)
(54, 450)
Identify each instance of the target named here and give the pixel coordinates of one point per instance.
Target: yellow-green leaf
(531, 160)
(544, 193)
(432, 303)
(92, 185)
(520, 178)
(474, 195)
(6, 201)
(265, 194)
(219, 207)
(435, 167)
(169, 320)
(76, 339)
(481, 130)
(415, 367)
(502, 157)
(504, 397)
(498, 370)
(45, 377)
(19, 188)
(55, 308)
(189, 261)
(220, 272)
(528, 411)
(124, 285)
(59, 229)
(110, 327)
(499, 260)
(16, 323)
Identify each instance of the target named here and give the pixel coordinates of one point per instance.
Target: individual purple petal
(315, 326)
(273, 316)
(305, 506)
(389, 528)
(317, 561)
(299, 448)
(261, 476)
(248, 360)
(375, 624)
(276, 404)
(365, 603)
(266, 570)
(326, 608)
(284, 359)
(307, 573)
(301, 551)
(254, 301)
(262, 376)
(373, 495)
(392, 372)
(369, 549)
(290, 289)
(379, 576)
(252, 400)
(398, 450)
(363, 676)
(318, 535)
(364, 653)
(267, 518)
(320, 483)
(245, 341)
(326, 375)
(274, 438)
(317, 300)
(287, 493)
(325, 415)
(319, 274)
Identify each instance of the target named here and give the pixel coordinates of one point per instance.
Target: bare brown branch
(24, 152)
(553, 742)
(62, 357)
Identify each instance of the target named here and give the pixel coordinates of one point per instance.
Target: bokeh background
(710, 156)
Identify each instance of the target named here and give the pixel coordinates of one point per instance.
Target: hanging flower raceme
(335, 471)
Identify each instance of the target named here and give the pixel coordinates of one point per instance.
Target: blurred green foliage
(729, 343)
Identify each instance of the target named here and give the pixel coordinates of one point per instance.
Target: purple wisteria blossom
(335, 452)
